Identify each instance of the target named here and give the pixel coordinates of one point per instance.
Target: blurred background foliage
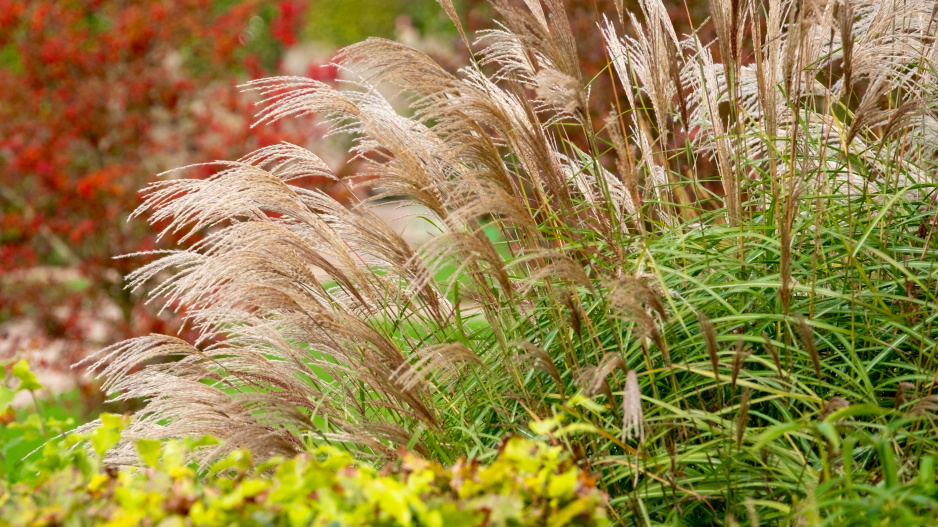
(105, 94)
(344, 22)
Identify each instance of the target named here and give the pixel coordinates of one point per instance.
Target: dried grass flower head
(633, 419)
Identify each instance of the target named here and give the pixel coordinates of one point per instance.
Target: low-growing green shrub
(528, 483)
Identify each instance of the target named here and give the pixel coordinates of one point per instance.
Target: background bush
(108, 94)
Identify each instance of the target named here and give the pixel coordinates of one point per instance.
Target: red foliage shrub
(98, 97)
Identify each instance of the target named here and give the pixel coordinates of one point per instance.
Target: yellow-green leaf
(6, 397)
(545, 426)
(26, 376)
(149, 450)
(112, 421)
(562, 485)
(108, 435)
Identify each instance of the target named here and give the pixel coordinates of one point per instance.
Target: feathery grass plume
(636, 300)
(632, 198)
(807, 337)
(620, 10)
(596, 379)
(792, 174)
(835, 403)
(743, 420)
(926, 407)
(434, 360)
(450, 10)
(543, 360)
(902, 393)
(633, 419)
(751, 512)
(642, 65)
(770, 348)
(739, 358)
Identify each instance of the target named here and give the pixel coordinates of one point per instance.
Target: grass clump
(706, 298)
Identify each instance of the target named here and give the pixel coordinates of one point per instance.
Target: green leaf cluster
(27, 382)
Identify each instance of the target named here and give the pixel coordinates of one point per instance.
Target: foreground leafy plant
(527, 484)
(707, 354)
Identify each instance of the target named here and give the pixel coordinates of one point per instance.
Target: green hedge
(528, 483)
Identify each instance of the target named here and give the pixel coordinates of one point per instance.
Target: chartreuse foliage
(528, 483)
(23, 432)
